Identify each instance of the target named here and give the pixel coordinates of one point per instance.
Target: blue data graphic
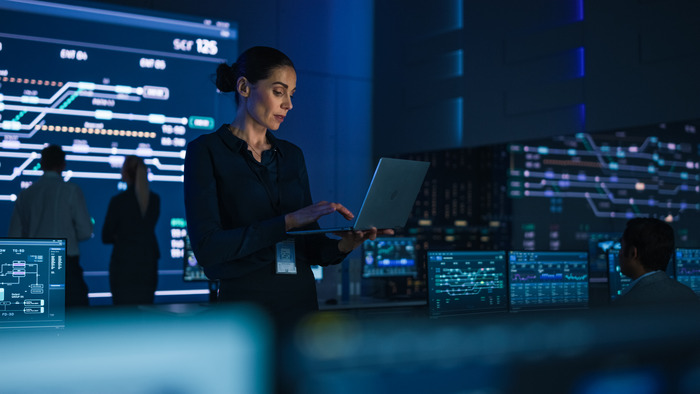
(567, 186)
(32, 282)
(688, 267)
(466, 281)
(389, 256)
(105, 83)
(617, 281)
(548, 279)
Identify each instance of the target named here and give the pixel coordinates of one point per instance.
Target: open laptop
(389, 199)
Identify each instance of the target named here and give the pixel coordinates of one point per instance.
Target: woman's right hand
(312, 213)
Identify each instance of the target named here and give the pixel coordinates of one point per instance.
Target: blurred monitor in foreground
(585, 351)
(187, 349)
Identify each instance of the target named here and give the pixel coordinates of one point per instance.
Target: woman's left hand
(352, 239)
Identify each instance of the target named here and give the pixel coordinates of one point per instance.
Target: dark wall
(511, 70)
(330, 43)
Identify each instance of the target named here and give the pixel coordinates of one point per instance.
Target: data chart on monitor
(548, 279)
(389, 257)
(466, 281)
(688, 267)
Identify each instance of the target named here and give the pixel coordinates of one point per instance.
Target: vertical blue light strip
(581, 63)
(579, 10)
(459, 119)
(455, 60)
(459, 12)
(582, 68)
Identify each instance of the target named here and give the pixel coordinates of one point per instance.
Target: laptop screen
(32, 283)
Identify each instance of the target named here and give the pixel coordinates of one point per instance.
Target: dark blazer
(133, 266)
(658, 289)
(233, 221)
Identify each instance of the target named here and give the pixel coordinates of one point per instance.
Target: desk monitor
(617, 281)
(540, 280)
(687, 264)
(32, 283)
(389, 257)
(461, 282)
(192, 271)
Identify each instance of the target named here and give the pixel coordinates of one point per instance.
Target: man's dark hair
(52, 158)
(653, 239)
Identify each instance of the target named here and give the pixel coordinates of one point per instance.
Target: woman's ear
(243, 86)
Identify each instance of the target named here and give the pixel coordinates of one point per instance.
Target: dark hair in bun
(254, 64)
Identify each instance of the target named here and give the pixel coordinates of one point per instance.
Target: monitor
(461, 282)
(32, 283)
(687, 264)
(548, 280)
(617, 281)
(389, 257)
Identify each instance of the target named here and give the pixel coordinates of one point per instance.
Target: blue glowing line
(581, 62)
(459, 120)
(579, 9)
(459, 12)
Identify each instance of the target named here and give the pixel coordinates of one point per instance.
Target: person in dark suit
(646, 248)
(245, 188)
(130, 225)
(54, 208)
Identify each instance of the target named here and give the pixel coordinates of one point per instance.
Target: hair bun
(226, 77)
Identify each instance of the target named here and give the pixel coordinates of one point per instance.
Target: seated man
(646, 248)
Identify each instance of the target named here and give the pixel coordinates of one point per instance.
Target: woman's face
(270, 99)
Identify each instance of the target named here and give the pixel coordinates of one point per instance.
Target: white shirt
(52, 208)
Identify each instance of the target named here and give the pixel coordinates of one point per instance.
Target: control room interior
(547, 124)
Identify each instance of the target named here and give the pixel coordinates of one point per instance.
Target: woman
(244, 188)
(130, 225)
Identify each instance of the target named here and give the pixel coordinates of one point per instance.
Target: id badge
(286, 263)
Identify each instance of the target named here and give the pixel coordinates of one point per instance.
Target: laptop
(389, 199)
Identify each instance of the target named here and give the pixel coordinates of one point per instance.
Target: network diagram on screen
(104, 84)
(32, 282)
(602, 180)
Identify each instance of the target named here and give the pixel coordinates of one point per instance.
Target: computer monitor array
(32, 283)
(389, 257)
(462, 282)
